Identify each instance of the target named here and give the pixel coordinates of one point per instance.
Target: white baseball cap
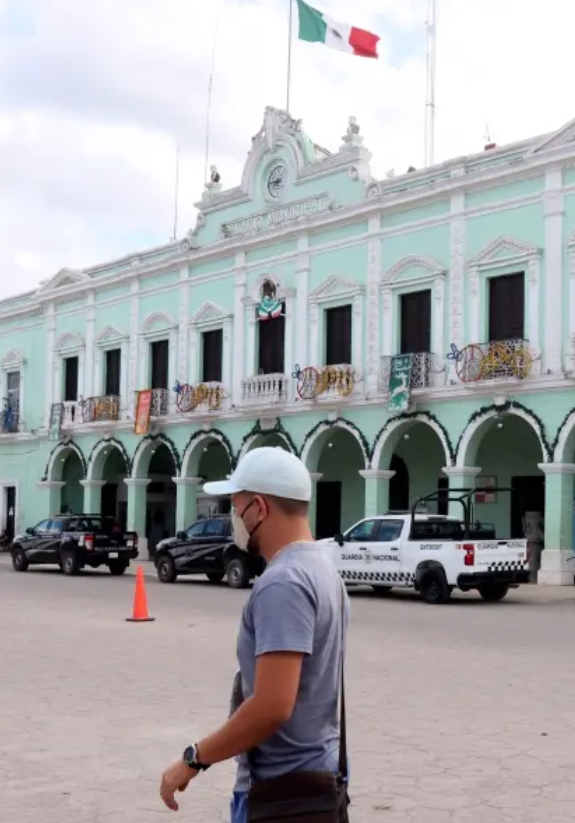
(267, 470)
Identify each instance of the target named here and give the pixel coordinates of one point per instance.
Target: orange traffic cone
(140, 614)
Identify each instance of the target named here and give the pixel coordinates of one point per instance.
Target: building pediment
(65, 277)
(69, 341)
(502, 249)
(336, 287)
(157, 323)
(13, 359)
(208, 314)
(565, 136)
(110, 335)
(413, 267)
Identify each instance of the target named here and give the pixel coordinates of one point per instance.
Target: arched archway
(273, 439)
(67, 466)
(207, 457)
(156, 463)
(507, 445)
(335, 454)
(417, 448)
(108, 468)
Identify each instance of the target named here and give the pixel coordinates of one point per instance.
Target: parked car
(74, 541)
(206, 547)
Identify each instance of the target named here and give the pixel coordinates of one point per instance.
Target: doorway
(328, 509)
(528, 496)
(398, 486)
(10, 511)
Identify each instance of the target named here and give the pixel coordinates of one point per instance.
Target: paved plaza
(457, 714)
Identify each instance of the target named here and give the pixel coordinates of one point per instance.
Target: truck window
(389, 530)
(363, 532)
(437, 530)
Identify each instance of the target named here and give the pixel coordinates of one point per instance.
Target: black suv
(207, 548)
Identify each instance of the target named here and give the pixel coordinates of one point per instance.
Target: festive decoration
(258, 431)
(189, 398)
(568, 422)
(421, 416)
(159, 439)
(490, 361)
(400, 375)
(213, 434)
(340, 423)
(112, 443)
(269, 306)
(143, 411)
(95, 409)
(312, 382)
(65, 444)
(508, 408)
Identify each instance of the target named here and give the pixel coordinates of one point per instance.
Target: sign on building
(399, 383)
(143, 411)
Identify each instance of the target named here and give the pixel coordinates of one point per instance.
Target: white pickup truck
(433, 554)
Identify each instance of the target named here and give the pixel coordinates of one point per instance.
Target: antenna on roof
(209, 107)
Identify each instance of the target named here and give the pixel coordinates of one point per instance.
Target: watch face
(277, 180)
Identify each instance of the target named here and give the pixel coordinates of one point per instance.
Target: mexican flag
(316, 27)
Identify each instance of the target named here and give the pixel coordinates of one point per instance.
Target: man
(290, 641)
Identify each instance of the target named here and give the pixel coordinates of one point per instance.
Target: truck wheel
(434, 588)
(215, 577)
(493, 592)
(69, 563)
(381, 591)
(237, 574)
(118, 567)
(166, 570)
(19, 560)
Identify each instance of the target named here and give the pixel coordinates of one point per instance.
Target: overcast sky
(94, 95)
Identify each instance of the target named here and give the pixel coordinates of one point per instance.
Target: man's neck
(282, 539)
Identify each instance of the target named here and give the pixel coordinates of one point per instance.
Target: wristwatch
(190, 758)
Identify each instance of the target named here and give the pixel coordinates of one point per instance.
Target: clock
(277, 180)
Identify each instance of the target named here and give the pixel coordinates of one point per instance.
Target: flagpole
(176, 189)
(209, 107)
(290, 26)
(430, 91)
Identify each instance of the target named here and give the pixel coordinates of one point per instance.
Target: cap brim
(219, 488)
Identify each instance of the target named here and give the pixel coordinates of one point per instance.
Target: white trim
(339, 424)
(392, 431)
(100, 447)
(198, 445)
(68, 344)
(209, 317)
(472, 429)
(553, 203)
(567, 429)
(336, 291)
(156, 327)
(109, 339)
(557, 468)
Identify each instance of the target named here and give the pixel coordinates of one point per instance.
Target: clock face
(277, 180)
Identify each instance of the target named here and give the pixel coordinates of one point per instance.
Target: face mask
(240, 533)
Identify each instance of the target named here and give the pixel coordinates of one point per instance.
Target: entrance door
(110, 500)
(328, 509)
(10, 509)
(398, 486)
(529, 496)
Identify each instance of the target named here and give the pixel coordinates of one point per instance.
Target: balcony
(265, 390)
(421, 371)
(327, 382)
(10, 419)
(205, 397)
(160, 403)
(496, 360)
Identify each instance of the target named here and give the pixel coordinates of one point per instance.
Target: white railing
(265, 389)
(72, 413)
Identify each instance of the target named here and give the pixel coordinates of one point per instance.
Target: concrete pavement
(457, 713)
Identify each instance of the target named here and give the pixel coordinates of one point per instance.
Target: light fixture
(406, 436)
(205, 449)
(330, 445)
(499, 421)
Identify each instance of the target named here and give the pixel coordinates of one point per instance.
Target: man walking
(290, 643)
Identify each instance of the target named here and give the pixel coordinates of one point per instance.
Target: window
(160, 352)
(507, 307)
(70, 379)
(13, 390)
(43, 526)
(196, 530)
(363, 532)
(338, 335)
(113, 372)
(271, 344)
(415, 333)
(389, 530)
(216, 528)
(212, 349)
(56, 526)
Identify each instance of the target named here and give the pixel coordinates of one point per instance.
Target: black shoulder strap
(342, 764)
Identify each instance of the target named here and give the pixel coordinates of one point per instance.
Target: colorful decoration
(269, 306)
(189, 398)
(313, 382)
(508, 407)
(143, 411)
(490, 361)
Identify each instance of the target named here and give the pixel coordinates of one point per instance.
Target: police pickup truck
(74, 541)
(433, 554)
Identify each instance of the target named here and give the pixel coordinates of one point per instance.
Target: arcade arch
(66, 470)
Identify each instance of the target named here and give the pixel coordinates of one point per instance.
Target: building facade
(398, 335)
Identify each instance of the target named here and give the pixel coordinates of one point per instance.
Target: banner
(399, 383)
(56, 421)
(143, 411)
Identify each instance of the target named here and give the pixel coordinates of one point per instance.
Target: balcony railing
(496, 360)
(421, 371)
(265, 389)
(327, 382)
(90, 410)
(160, 402)
(203, 397)
(10, 417)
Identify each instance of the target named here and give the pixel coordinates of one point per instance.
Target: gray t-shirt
(296, 606)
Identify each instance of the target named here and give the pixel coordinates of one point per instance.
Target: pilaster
(557, 567)
(553, 206)
(302, 293)
(183, 311)
(134, 346)
(186, 501)
(373, 296)
(289, 341)
(88, 389)
(376, 491)
(456, 275)
(238, 368)
(49, 378)
(357, 331)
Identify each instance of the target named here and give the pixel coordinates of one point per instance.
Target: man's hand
(175, 779)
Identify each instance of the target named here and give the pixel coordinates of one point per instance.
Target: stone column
(289, 343)
(556, 568)
(238, 369)
(186, 501)
(88, 389)
(137, 509)
(52, 501)
(302, 273)
(315, 476)
(376, 491)
(460, 477)
(93, 495)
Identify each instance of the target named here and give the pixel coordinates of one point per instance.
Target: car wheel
(215, 577)
(381, 591)
(118, 567)
(69, 563)
(493, 592)
(19, 560)
(237, 574)
(434, 588)
(166, 569)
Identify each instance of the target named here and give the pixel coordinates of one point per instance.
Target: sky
(95, 95)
